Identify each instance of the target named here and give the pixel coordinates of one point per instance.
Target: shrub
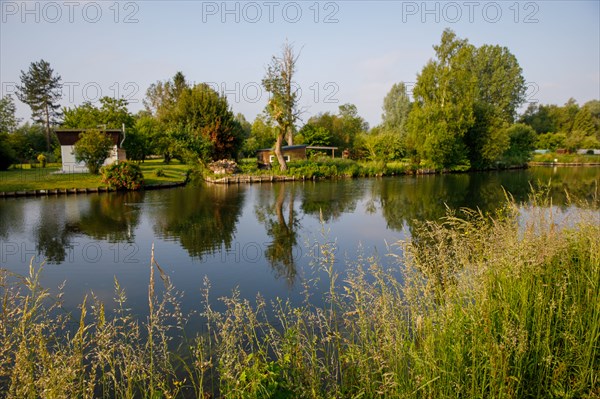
(92, 148)
(42, 160)
(123, 176)
(160, 172)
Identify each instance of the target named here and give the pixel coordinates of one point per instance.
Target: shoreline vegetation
(29, 180)
(492, 305)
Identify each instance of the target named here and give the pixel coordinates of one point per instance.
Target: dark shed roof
(71, 136)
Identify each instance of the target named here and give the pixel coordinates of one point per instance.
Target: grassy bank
(330, 168)
(566, 158)
(28, 178)
(489, 308)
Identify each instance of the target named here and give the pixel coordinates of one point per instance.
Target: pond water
(256, 238)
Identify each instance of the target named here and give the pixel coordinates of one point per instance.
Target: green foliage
(92, 148)
(8, 120)
(381, 144)
(7, 154)
(443, 109)
(540, 118)
(315, 136)
(124, 176)
(192, 123)
(593, 107)
(522, 139)
(29, 140)
(344, 128)
(112, 114)
(550, 141)
(396, 107)
(205, 124)
(262, 135)
(464, 99)
(41, 89)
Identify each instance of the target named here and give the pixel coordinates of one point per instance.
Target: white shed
(67, 139)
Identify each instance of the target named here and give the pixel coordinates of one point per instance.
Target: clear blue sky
(351, 51)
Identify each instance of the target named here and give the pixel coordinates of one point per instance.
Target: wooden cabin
(266, 156)
(67, 139)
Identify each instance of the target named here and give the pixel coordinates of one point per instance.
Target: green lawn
(565, 158)
(26, 178)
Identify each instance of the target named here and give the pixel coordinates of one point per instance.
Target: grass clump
(504, 305)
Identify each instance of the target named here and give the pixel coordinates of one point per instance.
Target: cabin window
(272, 158)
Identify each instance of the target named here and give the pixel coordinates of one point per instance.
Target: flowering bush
(42, 160)
(123, 176)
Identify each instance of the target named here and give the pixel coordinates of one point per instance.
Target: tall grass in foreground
(489, 308)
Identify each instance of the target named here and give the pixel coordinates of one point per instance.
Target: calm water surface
(257, 238)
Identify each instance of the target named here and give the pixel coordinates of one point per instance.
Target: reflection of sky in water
(224, 233)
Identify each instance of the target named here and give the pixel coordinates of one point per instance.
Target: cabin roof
(299, 146)
(285, 147)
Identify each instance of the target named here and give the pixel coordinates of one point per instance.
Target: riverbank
(487, 305)
(564, 163)
(28, 181)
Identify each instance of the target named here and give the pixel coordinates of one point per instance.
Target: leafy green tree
(8, 119)
(317, 136)
(442, 113)
(344, 127)
(381, 144)
(244, 124)
(540, 117)
(92, 148)
(194, 122)
(112, 114)
(282, 107)
(161, 97)
(142, 140)
(84, 116)
(7, 154)
(550, 141)
(41, 89)
(205, 124)
(464, 100)
(584, 122)
(522, 139)
(396, 107)
(262, 135)
(500, 91)
(28, 141)
(565, 116)
(594, 107)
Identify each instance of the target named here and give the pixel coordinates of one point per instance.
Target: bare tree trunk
(279, 153)
(47, 129)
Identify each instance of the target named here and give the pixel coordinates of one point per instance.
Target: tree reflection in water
(202, 219)
(283, 233)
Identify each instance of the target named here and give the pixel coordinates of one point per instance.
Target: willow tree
(282, 107)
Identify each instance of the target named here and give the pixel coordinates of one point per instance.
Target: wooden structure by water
(238, 179)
